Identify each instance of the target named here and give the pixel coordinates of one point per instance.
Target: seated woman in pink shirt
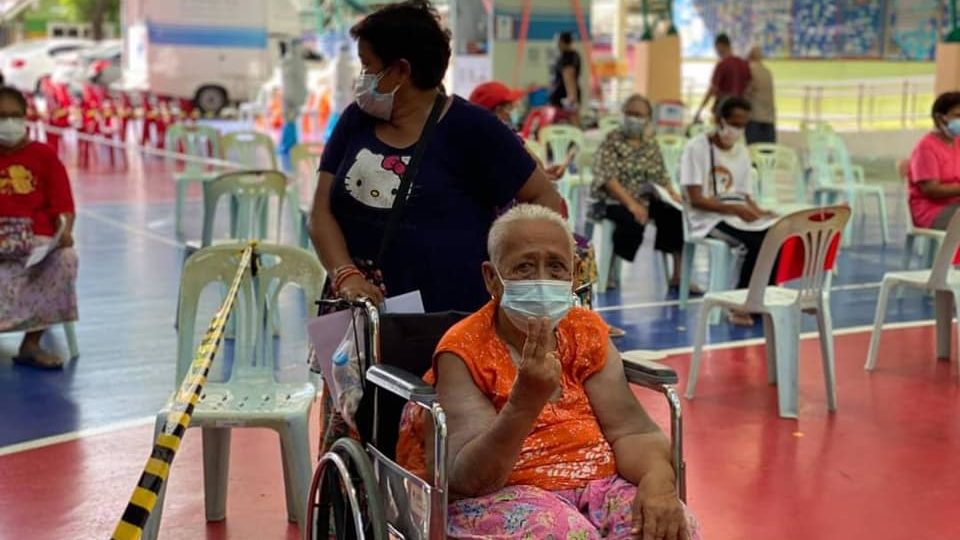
(935, 167)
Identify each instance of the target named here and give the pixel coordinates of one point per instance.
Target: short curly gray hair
(519, 213)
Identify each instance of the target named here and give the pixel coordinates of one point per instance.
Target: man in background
(762, 127)
(565, 88)
(730, 76)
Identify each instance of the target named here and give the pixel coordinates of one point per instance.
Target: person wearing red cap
(503, 101)
(500, 100)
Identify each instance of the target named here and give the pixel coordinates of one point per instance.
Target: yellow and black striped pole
(167, 442)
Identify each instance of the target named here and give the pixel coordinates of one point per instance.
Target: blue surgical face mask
(634, 126)
(516, 116)
(539, 298)
(953, 127)
(369, 99)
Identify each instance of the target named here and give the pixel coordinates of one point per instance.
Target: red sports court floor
(72, 444)
(884, 467)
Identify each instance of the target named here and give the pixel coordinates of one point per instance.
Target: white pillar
(619, 47)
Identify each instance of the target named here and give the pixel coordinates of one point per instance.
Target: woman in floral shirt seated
(627, 163)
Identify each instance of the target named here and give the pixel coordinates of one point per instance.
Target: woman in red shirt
(34, 185)
(934, 180)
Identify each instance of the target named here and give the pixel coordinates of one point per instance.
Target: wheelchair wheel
(345, 501)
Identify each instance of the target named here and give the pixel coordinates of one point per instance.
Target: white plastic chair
(251, 396)
(671, 148)
(304, 162)
(722, 260)
(252, 193)
(943, 280)
(836, 178)
(916, 235)
(535, 148)
(609, 123)
(779, 180)
(781, 307)
(255, 150)
(696, 129)
(196, 141)
(610, 266)
(560, 141)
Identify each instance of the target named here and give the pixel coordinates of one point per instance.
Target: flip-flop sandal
(30, 361)
(616, 332)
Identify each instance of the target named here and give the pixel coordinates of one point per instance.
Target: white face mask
(12, 131)
(536, 298)
(729, 134)
(369, 99)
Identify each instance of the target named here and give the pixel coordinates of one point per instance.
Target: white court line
(129, 228)
(74, 435)
(806, 335)
(694, 301)
(67, 437)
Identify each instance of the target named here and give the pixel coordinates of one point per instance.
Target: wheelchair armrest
(401, 383)
(647, 372)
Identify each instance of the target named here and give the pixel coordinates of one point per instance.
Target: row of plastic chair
(248, 149)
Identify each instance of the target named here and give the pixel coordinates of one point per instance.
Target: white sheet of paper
(38, 254)
(664, 196)
(761, 224)
(326, 332)
(411, 302)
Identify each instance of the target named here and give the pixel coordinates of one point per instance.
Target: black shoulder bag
(399, 203)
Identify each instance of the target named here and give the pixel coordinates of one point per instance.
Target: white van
(211, 51)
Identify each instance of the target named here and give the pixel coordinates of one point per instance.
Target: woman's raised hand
(538, 375)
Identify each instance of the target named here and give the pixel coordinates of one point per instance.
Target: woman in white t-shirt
(715, 175)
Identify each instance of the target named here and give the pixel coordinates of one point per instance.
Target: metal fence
(864, 105)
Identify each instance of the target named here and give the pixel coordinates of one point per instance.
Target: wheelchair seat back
(407, 341)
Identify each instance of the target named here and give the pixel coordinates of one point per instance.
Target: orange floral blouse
(566, 448)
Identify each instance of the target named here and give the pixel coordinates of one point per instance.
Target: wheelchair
(358, 490)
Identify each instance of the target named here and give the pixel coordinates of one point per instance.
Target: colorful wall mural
(893, 29)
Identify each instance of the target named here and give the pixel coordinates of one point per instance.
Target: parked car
(25, 64)
(99, 64)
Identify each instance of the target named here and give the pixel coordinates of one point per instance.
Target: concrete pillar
(657, 71)
(948, 68)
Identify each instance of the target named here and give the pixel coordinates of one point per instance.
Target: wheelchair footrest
(642, 367)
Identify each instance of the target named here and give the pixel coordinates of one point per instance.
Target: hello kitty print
(374, 179)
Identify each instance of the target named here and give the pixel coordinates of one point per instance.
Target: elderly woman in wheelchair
(545, 437)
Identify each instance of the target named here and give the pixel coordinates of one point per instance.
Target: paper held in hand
(761, 224)
(664, 196)
(40, 252)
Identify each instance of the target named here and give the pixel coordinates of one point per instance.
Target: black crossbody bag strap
(713, 169)
(399, 203)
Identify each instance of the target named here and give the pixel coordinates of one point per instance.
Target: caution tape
(167, 442)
